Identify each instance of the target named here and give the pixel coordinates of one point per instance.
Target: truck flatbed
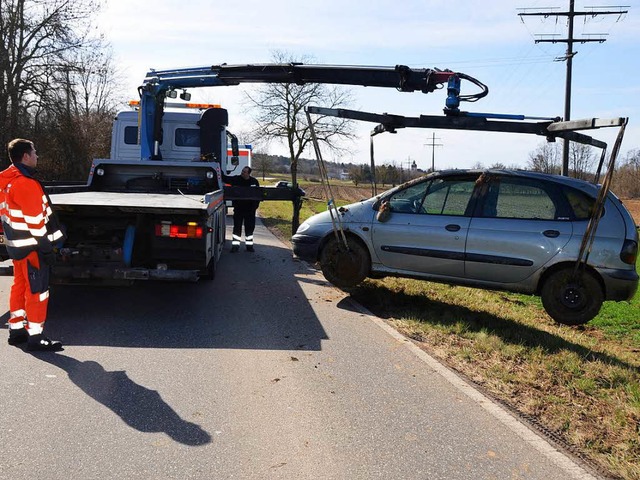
(130, 201)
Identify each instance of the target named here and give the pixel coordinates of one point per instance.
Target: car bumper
(621, 285)
(305, 247)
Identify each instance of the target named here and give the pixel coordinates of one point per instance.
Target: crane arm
(159, 83)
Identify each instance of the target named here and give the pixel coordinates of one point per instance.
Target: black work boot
(235, 248)
(18, 336)
(250, 248)
(40, 343)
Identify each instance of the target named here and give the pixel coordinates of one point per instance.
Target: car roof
(561, 179)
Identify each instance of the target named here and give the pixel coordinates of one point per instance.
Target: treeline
(546, 159)
(58, 84)
(584, 163)
(308, 170)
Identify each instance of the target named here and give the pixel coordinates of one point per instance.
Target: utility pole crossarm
(567, 40)
(566, 14)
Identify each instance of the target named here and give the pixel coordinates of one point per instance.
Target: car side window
(517, 198)
(434, 197)
(448, 196)
(409, 200)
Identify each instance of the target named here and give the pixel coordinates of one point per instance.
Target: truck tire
(211, 270)
(213, 263)
(572, 302)
(345, 268)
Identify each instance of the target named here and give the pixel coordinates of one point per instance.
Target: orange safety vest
(27, 219)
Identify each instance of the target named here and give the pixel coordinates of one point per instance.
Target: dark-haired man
(30, 231)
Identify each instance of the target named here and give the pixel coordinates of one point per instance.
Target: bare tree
(545, 159)
(36, 36)
(626, 181)
(581, 160)
(261, 163)
(280, 116)
(59, 82)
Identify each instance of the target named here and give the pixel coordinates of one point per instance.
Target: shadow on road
(139, 407)
(255, 302)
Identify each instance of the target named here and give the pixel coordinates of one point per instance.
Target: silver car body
(475, 245)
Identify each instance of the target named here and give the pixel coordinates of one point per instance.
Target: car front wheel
(572, 301)
(344, 267)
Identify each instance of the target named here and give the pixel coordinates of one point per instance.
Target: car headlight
(303, 228)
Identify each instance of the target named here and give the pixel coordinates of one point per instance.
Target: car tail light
(171, 230)
(629, 252)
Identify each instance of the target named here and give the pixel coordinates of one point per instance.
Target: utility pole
(433, 146)
(571, 14)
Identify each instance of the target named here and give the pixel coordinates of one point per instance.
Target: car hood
(360, 212)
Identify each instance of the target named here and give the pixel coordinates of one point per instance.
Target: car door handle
(551, 233)
(452, 227)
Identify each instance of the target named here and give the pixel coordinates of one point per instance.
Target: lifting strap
(590, 232)
(336, 221)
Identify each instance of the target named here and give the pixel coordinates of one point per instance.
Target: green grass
(583, 383)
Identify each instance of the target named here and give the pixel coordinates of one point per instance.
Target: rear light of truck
(629, 252)
(171, 230)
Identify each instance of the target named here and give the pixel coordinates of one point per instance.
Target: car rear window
(581, 204)
(518, 198)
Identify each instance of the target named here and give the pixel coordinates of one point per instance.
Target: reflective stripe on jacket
(28, 221)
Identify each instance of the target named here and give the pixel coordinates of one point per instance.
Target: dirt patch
(341, 193)
(633, 205)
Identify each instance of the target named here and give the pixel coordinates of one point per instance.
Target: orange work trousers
(29, 293)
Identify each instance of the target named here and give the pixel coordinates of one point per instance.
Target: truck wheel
(211, 269)
(345, 267)
(213, 263)
(572, 302)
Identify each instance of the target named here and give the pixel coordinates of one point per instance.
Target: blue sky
(486, 40)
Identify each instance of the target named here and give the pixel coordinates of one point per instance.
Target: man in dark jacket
(244, 211)
(30, 231)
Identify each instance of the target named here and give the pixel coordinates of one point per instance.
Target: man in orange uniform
(30, 230)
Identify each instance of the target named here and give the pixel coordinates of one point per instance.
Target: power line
(570, 40)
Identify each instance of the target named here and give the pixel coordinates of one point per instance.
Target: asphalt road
(266, 372)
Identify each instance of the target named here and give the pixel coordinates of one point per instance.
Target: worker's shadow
(139, 407)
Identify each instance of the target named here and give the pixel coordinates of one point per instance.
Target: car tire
(572, 302)
(345, 268)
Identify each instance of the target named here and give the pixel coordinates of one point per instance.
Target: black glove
(48, 258)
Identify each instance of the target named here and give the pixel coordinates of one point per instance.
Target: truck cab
(181, 137)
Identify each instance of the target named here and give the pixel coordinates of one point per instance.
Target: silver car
(495, 229)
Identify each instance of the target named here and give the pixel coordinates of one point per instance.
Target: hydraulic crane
(160, 84)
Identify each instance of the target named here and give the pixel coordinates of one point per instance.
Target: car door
(518, 226)
(426, 230)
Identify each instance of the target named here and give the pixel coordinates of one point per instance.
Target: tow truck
(161, 217)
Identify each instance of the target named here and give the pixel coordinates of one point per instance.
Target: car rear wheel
(345, 267)
(572, 301)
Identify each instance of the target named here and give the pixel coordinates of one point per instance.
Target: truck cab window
(131, 135)
(187, 137)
